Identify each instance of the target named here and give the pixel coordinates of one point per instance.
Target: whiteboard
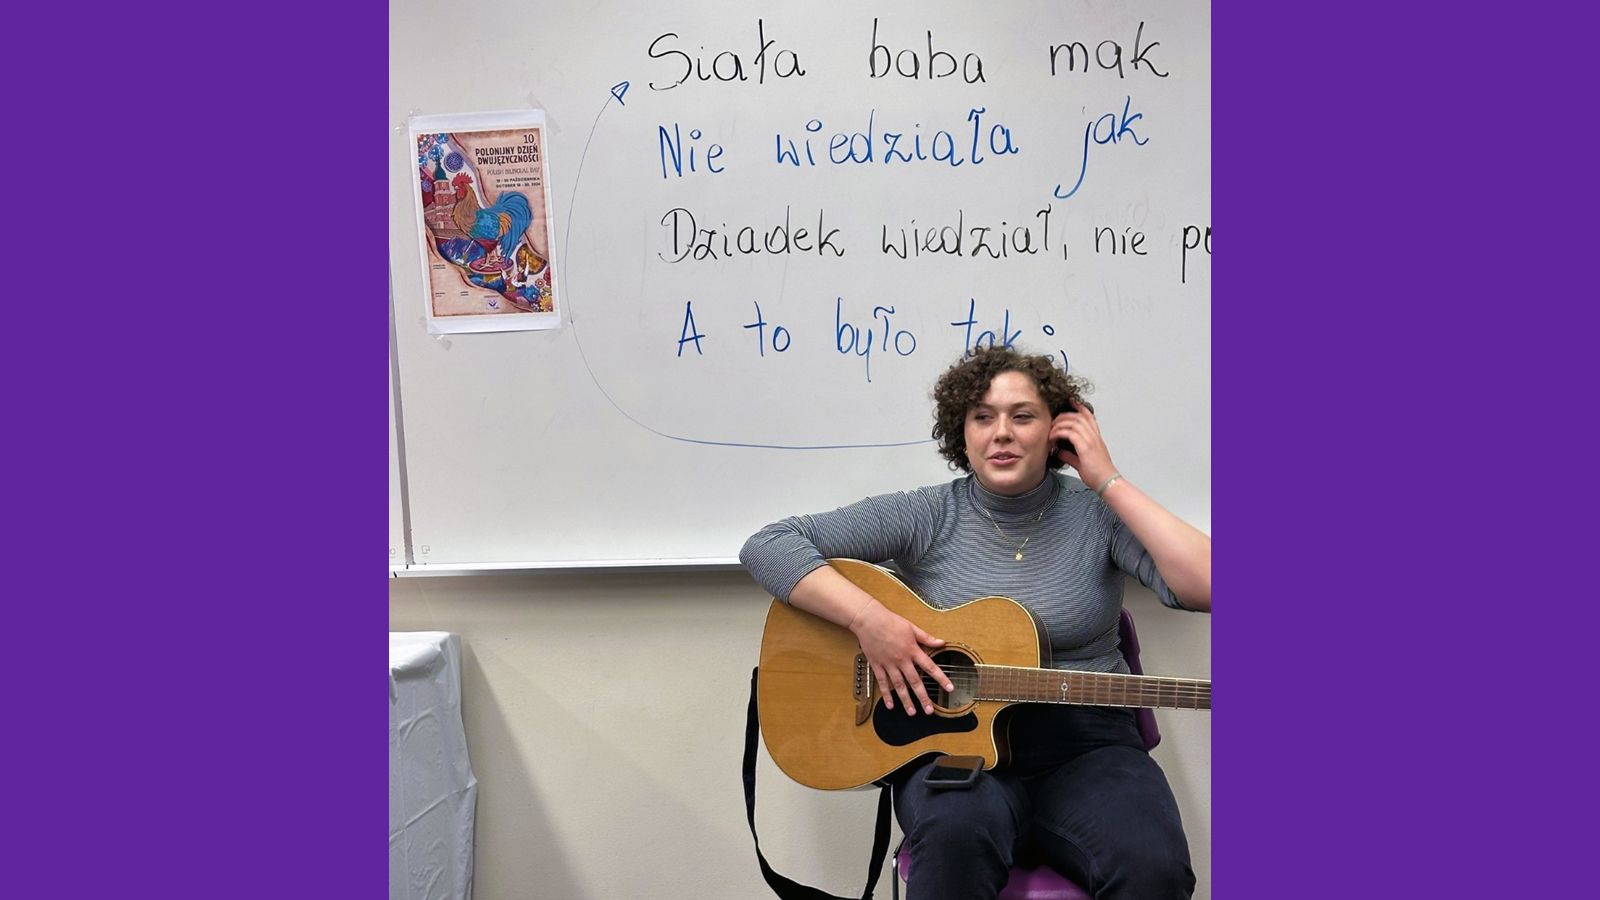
(776, 355)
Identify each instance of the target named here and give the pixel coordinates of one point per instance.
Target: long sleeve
(1131, 557)
(889, 527)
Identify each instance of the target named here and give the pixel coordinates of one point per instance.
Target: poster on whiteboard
(482, 193)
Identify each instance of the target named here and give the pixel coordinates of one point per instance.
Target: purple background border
(1403, 198)
(195, 507)
(1401, 195)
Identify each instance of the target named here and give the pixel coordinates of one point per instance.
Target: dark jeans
(1080, 792)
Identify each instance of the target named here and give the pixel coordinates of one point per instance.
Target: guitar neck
(1012, 684)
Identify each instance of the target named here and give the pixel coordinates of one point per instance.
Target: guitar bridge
(863, 688)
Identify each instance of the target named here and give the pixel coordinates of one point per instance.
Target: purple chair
(1040, 882)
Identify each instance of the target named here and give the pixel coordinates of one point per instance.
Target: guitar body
(822, 715)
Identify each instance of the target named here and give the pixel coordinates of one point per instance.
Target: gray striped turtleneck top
(941, 544)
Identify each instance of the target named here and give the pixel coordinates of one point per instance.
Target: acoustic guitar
(822, 714)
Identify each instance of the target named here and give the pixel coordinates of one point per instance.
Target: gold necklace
(1007, 538)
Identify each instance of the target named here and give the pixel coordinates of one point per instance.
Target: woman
(1079, 785)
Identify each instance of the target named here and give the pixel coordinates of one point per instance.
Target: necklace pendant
(1019, 556)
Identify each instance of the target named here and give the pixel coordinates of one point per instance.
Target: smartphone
(954, 772)
(1063, 443)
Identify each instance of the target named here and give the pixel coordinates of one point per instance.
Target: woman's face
(1008, 435)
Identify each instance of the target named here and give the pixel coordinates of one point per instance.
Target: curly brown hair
(963, 385)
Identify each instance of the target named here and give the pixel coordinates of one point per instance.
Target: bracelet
(1101, 490)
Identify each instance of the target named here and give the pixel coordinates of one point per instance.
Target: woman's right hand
(894, 648)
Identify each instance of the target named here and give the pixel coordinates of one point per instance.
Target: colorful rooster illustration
(499, 226)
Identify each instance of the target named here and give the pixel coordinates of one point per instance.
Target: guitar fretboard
(1009, 684)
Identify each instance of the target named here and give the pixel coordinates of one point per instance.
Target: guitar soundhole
(958, 667)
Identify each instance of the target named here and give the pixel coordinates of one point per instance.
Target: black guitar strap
(785, 888)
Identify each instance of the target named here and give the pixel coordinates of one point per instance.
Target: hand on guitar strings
(893, 646)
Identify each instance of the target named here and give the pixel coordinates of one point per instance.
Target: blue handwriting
(877, 144)
(1115, 130)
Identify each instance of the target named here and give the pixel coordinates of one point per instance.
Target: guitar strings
(1003, 672)
(1102, 687)
(1120, 684)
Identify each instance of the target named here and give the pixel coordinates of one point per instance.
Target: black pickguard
(897, 729)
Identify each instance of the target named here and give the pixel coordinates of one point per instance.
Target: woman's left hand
(1092, 460)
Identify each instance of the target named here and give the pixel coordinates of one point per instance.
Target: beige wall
(605, 720)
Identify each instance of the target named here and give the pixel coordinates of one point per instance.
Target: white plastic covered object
(432, 791)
